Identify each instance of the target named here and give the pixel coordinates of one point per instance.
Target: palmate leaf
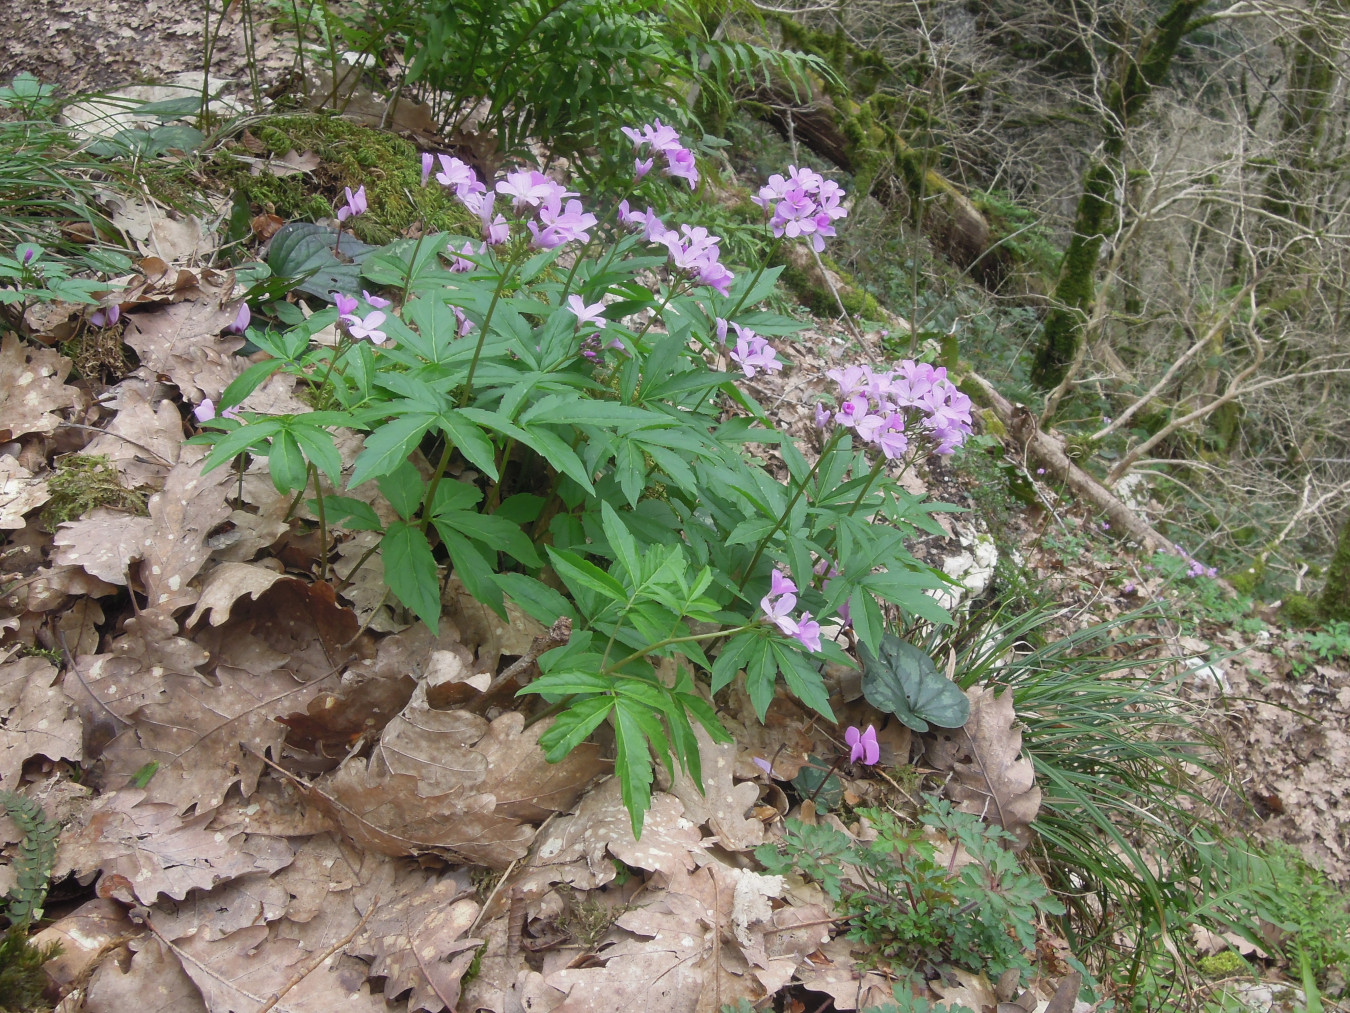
(903, 681)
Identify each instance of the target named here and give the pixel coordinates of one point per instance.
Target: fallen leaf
(32, 389)
(993, 780)
(82, 935)
(20, 493)
(417, 944)
(724, 802)
(159, 852)
(226, 584)
(40, 721)
(183, 340)
(432, 784)
(142, 442)
(170, 543)
(151, 981)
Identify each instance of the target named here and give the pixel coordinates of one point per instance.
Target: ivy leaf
(904, 681)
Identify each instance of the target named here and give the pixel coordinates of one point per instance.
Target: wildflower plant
(588, 435)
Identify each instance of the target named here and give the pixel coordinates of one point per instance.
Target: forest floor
(225, 878)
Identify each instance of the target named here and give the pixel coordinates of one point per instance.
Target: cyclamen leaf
(902, 680)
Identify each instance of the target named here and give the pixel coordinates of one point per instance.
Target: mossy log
(851, 135)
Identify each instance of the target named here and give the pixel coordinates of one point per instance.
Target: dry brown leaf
(240, 973)
(252, 899)
(724, 802)
(601, 827)
(417, 944)
(448, 782)
(159, 852)
(41, 720)
(79, 625)
(170, 543)
(183, 341)
(20, 493)
(845, 977)
(226, 584)
(32, 389)
(82, 934)
(993, 780)
(151, 981)
(207, 732)
(142, 442)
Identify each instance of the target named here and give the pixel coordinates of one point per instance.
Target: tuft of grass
(82, 482)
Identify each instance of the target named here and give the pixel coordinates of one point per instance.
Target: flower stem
(467, 389)
(668, 641)
(749, 288)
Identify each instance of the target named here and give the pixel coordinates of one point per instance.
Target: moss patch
(82, 482)
(350, 155)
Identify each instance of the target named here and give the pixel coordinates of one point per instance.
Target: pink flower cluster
(804, 203)
(752, 351)
(1195, 568)
(692, 249)
(779, 602)
(879, 406)
(358, 326)
(665, 141)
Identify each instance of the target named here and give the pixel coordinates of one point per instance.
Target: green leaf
(633, 764)
(815, 779)
(389, 446)
(477, 573)
(902, 680)
(410, 571)
(538, 600)
(286, 463)
(621, 540)
(319, 448)
(475, 446)
(351, 514)
(577, 572)
(404, 489)
(304, 251)
(247, 382)
(803, 679)
(573, 725)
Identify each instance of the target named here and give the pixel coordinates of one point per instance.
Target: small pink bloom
(378, 302)
(428, 160)
(808, 632)
(368, 328)
(592, 314)
(641, 167)
(346, 305)
(864, 745)
(241, 319)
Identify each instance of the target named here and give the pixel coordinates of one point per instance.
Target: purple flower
(680, 163)
(852, 411)
(561, 226)
(367, 328)
(822, 415)
(378, 302)
(892, 439)
(29, 253)
(532, 189)
(808, 632)
(107, 317)
(642, 167)
(346, 305)
(459, 265)
(241, 320)
(206, 411)
(763, 764)
(454, 173)
(753, 352)
(863, 745)
(356, 203)
(465, 324)
(428, 160)
(777, 612)
(592, 314)
(780, 584)
(1128, 588)
(1040, 471)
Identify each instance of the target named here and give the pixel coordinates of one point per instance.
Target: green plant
(561, 71)
(34, 859)
(1329, 645)
(619, 475)
(912, 909)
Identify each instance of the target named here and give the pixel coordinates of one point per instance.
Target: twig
(324, 956)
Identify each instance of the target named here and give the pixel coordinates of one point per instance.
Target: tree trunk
(1138, 74)
(1335, 601)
